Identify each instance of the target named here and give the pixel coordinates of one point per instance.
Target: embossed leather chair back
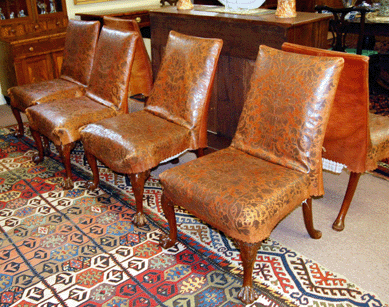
(79, 52)
(355, 137)
(182, 65)
(141, 80)
(109, 81)
(347, 138)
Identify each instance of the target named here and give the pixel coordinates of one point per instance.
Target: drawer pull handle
(138, 19)
(13, 31)
(31, 49)
(36, 26)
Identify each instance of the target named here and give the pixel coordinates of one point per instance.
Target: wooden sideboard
(32, 40)
(242, 35)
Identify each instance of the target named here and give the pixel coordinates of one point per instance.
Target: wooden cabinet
(32, 39)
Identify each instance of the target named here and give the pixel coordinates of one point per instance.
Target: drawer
(38, 47)
(143, 19)
(12, 30)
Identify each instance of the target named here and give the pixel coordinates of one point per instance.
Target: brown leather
(186, 60)
(175, 116)
(349, 136)
(135, 142)
(141, 81)
(288, 126)
(274, 161)
(80, 46)
(106, 94)
(110, 77)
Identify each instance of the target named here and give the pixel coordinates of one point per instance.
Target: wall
(109, 5)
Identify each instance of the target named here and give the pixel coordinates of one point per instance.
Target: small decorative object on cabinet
(32, 38)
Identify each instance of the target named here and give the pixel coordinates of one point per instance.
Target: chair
(106, 96)
(339, 27)
(141, 80)
(273, 163)
(354, 137)
(80, 45)
(174, 119)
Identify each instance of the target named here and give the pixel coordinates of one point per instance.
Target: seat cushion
(241, 195)
(135, 142)
(60, 120)
(27, 95)
(379, 135)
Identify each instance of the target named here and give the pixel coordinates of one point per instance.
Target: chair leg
(92, 184)
(308, 220)
(248, 253)
(37, 158)
(138, 182)
(46, 145)
(199, 152)
(64, 150)
(338, 225)
(20, 131)
(167, 241)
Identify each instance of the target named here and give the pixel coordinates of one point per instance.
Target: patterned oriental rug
(79, 248)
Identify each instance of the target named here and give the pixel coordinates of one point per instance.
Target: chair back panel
(111, 68)
(141, 80)
(287, 109)
(347, 138)
(183, 86)
(80, 47)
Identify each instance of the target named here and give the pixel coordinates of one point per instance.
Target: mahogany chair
(106, 96)
(354, 137)
(141, 80)
(174, 119)
(273, 163)
(80, 46)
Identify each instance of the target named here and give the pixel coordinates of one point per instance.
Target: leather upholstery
(80, 46)
(106, 94)
(136, 142)
(179, 73)
(353, 137)
(141, 80)
(174, 118)
(274, 161)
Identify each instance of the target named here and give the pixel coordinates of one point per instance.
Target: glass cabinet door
(14, 9)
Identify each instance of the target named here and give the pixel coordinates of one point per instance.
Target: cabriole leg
(16, 113)
(308, 220)
(67, 184)
(138, 182)
(37, 158)
(169, 240)
(94, 183)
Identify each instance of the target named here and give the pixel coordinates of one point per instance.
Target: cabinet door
(34, 69)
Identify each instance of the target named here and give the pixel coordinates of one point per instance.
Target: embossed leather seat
(354, 137)
(273, 163)
(141, 80)
(106, 96)
(174, 118)
(80, 47)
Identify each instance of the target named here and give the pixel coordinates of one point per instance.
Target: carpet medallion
(79, 248)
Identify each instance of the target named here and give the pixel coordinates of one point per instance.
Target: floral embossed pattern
(379, 140)
(186, 70)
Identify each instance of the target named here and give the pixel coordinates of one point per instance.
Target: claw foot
(90, 185)
(67, 184)
(247, 295)
(139, 219)
(36, 158)
(166, 242)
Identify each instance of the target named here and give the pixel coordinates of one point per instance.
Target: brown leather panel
(80, 46)
(141, 80)
(239, 194)
(135, 142)
(111, 68)
(60, 120)
(27, 95)
(287, 109)
(347, 138)
(379, 134)
(183, 85)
